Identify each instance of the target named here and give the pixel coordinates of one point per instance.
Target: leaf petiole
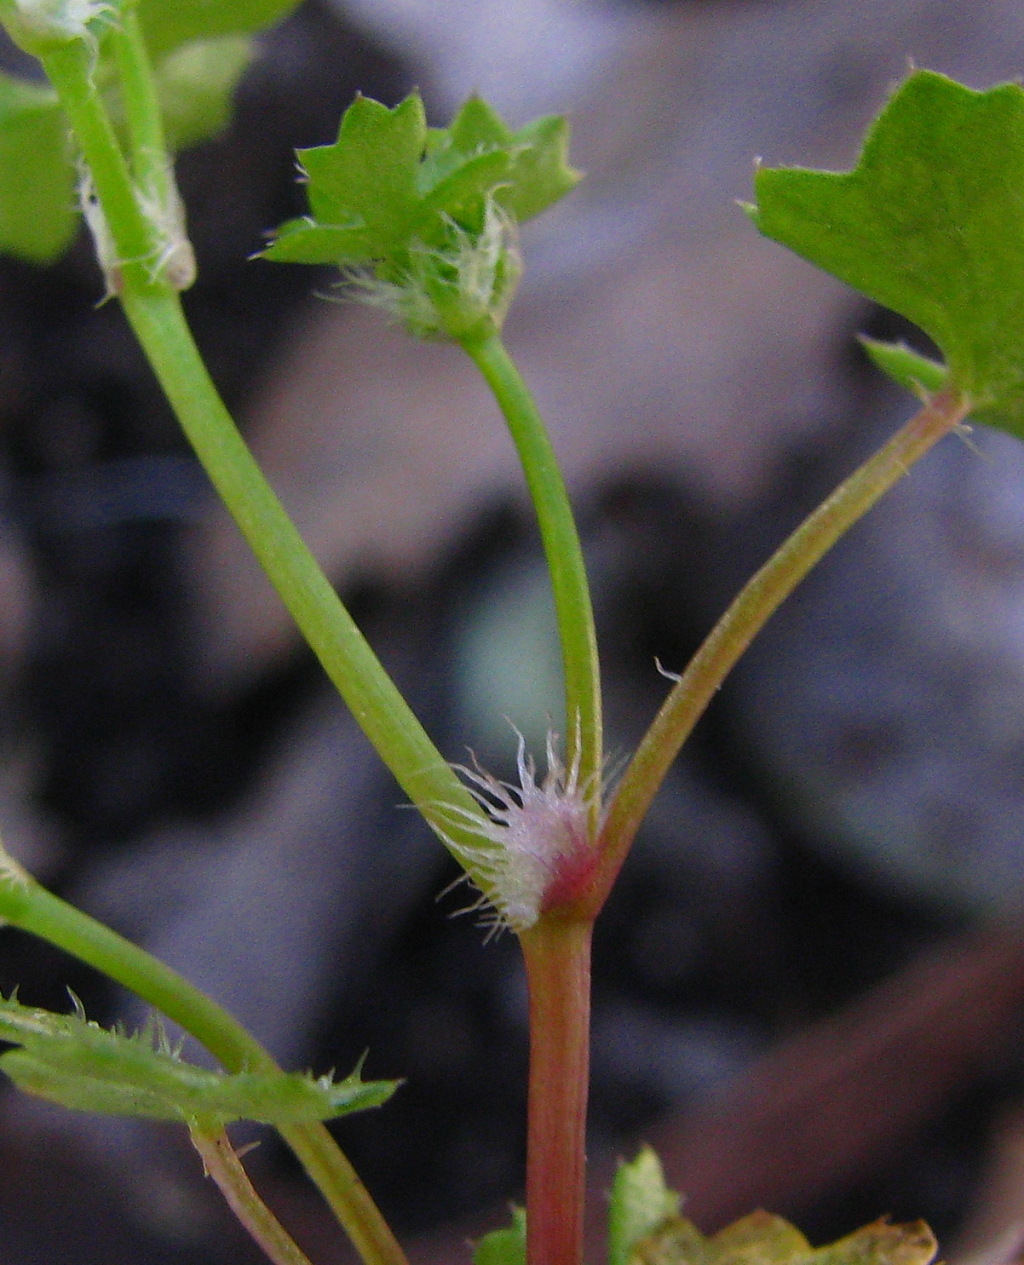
(28, 905)
(223, 1166)
(756, 602)
(573, 606)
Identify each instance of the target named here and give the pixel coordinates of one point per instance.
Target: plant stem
(329, 1169)
(557, 955)
(45, 915)
(222, 1164)
(70, 72)
(369, 692)
(26, 904)
(564, 554)
(750, 610)
(150, 158)
(155, 314)
(154, 311)
(372, 696)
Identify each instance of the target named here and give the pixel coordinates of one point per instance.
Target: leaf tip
(916, 373)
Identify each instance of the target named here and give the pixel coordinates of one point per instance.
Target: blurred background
(809, 983)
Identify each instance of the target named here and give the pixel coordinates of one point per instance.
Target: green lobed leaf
(196, 83)
(167, 24)
(454, 184)
(540, 173)
(640, 1203)
(506, 1246)
(389, 185)
(929, 223)
(71, 1061)
(476, 132)
(763, 1239)
(919, 374)
(38, 212)
(536, 171)
(362, 189)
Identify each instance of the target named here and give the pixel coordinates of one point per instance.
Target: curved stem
(222, 1165)
(36, 910)
(749, 612)
(564, 554)
(154, 311)
(155, 314)
(26, 904)
(375, 701)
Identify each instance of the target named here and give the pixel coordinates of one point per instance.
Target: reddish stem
(222, 1164)
(557, 953)
(759, 598)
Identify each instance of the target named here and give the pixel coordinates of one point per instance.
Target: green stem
(564, 557)
(372, 696)
(151, 160)
(54, 920)
(223, 1166)
(557, 955)
(69, 69)
(154, 312)
(329, 1169)
(25, 904)
(749, 612)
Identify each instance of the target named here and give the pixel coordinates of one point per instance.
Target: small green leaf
(456, 185)
(362, 189)
(760, 1239)
(168, 23)
(38, 213)
(476, 127)
(305, 242)
(909, 368)
(929, 223)
(535, 171)
(388, 185)
(540, 173)
(196, 83)
(68, 1060)
(881, 1244)
(503, 1247)
(640, 1203)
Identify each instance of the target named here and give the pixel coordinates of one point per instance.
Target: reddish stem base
(557, 954)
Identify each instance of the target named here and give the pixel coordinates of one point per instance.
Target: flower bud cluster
(459, 289)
